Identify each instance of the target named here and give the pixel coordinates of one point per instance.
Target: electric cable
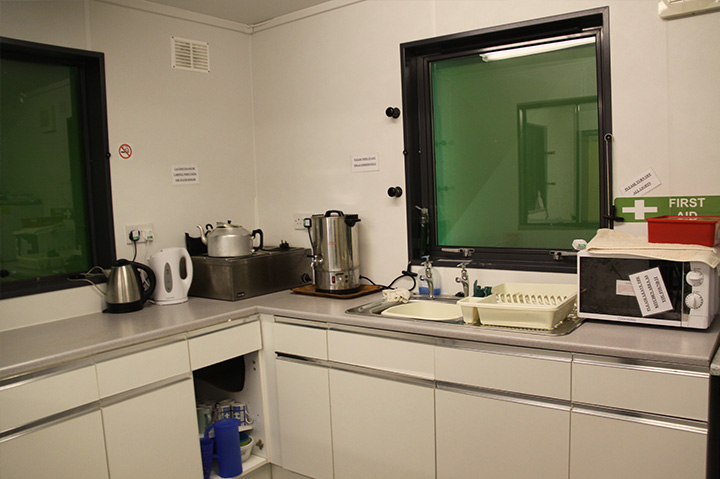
(134, 242)
(405, 273)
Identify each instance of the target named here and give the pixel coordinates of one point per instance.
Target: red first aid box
(700, 230)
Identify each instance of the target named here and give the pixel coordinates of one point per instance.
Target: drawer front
(141, 368)
(300, 340)
(37, 398)
(668, 392)
(404, 357)
(606, 447)
(507, 372)
(215, 347)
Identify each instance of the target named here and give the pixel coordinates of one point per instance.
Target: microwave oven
(605, 290)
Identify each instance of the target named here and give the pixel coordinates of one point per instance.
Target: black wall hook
(392, 112)
(394, 192)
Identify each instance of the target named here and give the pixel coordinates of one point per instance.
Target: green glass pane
(516, 149)
(43, 206)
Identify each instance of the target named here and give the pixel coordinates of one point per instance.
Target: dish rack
(521, 305)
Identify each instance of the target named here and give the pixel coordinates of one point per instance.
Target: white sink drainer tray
(521, 305)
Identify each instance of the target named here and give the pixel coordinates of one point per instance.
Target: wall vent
(190, 55)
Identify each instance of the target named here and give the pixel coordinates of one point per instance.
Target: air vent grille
(190, 55)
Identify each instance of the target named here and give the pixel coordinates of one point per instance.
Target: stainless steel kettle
(227, 240)
(125, 290)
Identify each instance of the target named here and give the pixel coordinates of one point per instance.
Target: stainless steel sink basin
(442, 309)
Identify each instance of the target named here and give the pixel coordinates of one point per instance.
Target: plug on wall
(299, 220)
(139, 233)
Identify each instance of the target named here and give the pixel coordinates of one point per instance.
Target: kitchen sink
(427, 310)
(444, 309)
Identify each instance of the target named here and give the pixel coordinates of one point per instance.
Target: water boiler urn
(336, 263)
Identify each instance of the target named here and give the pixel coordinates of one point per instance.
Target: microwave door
(606, 291)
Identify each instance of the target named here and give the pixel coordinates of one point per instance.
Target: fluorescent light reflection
(535, 49)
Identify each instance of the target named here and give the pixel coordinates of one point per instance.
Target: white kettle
(174, 271)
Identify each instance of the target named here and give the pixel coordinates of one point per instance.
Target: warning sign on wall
(125, 151)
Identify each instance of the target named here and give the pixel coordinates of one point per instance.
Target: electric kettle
(174, 272)
(336, 262)
(125, 291)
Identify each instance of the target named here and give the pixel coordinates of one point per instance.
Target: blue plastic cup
(227, 446)
(206, 453)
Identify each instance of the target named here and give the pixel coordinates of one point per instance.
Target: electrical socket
(147, 232)
(299, 220)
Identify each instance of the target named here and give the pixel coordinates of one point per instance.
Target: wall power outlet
(299, 220)
(145, 233)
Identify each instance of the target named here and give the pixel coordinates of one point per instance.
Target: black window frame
(91, 67)
(416, 58)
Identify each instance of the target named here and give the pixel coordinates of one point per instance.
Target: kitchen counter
(40, 346)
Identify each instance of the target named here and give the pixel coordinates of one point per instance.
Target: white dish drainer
(521, 305)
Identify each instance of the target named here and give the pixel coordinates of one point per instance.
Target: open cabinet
(227, 368)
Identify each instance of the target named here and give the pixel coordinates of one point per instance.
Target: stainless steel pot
(336, 262)
(226, 240)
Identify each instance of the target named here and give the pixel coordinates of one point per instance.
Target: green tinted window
(516, 147)
(508, 136)
(43, 202)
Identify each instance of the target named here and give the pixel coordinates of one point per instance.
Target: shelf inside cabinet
(253, 463)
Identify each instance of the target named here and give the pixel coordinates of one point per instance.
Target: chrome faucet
(428, 278)
(463, 278)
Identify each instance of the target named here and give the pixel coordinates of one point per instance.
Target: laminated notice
(650, 292)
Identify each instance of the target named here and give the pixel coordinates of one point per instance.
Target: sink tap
(463, 278)
(428, 278)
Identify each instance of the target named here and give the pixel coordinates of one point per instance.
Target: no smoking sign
(125, 151)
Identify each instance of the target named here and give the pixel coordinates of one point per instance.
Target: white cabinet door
(154, 435)
(71, 449)
(482, 436)
(382, 428)
(604, 447)
(304, 418)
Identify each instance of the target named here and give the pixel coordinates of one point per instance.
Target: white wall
(170, 117)
(318, 87)
(322, 85)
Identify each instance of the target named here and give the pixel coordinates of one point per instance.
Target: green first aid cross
(639, 209)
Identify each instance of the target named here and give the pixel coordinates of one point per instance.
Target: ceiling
(248, 12)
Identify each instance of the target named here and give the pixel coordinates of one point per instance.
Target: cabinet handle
(508, 396)
(349, 368)
(639, 366)
(305, 323)
(46, 422)
(125, 395)
(638, 417)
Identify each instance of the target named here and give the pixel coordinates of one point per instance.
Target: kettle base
(170, 301)
(123, 307)
(338, 292)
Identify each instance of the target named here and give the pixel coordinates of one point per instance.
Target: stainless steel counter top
(40, 346)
